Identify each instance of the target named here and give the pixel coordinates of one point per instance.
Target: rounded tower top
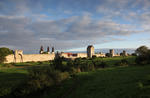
(90, 51)
(90, 46)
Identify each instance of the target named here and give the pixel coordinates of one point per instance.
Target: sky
(74, 24)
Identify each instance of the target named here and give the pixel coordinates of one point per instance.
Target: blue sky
(74, 24)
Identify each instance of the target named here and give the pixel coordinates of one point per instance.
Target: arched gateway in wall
(18, 56)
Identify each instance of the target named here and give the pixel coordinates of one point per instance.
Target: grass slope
(10, 78)
(118, 82)
(111, 82)
(12, 75)
(112, 61)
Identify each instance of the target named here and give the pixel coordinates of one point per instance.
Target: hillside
(119, 82)
(132, 81)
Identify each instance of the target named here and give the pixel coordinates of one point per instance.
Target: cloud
(76, 31)
(20, 7)
(25, 26)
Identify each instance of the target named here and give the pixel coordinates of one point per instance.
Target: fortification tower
(41, 50)
(112, 53)
(53, 51)
(124, 53)
(48, 50)
(90, 51)
(18, 56)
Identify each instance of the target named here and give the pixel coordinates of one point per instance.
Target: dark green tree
(3, 53)
(143, 55)
(142, 51)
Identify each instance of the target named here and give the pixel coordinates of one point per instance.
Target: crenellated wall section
(29, 58)
(18, 55)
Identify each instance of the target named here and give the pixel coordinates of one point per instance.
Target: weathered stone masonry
(18, 55)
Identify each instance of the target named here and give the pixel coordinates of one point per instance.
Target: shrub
(5, 91)
(145, 84)
(134, 54)
(108, 55)
(78, 59)
(77, 62)
(7, 65)
(99, 64)
(78, 69)
(82, 66)
(58, 76)
(63, 76)
(73, 71)
(86, 66)
(40, 78)
(94, 56)
(40, 62)
(141, 60)
(143, 55)
(103, 64)
(70, 63)
(142, 51)
(84, 58)
(70, 67)
(58, 64)
(94, 63)
(91, 66)
(3, 53)
(123, 62)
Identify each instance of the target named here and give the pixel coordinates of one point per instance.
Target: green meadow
(117, 82)
(131, 81)
(12, 75)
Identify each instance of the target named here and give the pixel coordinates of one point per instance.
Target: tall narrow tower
(53, 51)
(112, 53)
(48, 50)
(41, 50)
(90, 51)
(124, 53)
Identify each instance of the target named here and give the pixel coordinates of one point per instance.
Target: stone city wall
(100, 55)
(10, 59)
(82, 55)
(73, 56)
(29, 58)
(18, 55)
(64, 55)
(38, 57)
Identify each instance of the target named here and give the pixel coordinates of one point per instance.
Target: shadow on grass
(9, 81)
(119, 82)
(28, 64)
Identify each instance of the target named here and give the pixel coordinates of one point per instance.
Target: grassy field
(114, 60)
(117, 82)
(12, 75)
(10, 78)
(111, 82)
